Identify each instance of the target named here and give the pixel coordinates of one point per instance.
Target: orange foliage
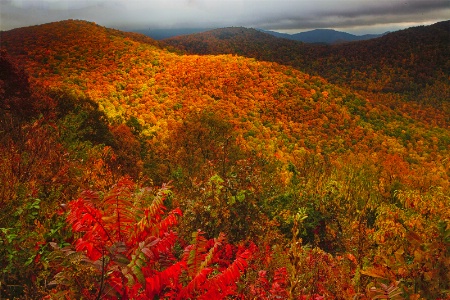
(252, 143)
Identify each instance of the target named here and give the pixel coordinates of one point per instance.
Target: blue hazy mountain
(325, 36)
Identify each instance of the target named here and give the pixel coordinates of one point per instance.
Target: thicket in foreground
(125, 248)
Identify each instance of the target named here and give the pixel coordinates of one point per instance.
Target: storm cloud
(358, 16)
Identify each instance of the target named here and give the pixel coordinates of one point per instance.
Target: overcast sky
(355, 16)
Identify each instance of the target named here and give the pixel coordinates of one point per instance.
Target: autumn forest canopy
(229, 164)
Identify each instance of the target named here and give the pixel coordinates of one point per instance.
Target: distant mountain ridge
(326, 36)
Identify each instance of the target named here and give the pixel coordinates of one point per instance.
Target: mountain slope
(129, 78)
(272, 108)
(412, 62)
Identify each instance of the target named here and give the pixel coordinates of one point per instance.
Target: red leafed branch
(198, 263)
(127, 238)
(118, 214)
(196, 253)
(156, 284)
(150, 218)
(224, 284)
(85, 218)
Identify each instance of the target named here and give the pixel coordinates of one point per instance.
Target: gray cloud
(295, 15)
(379, 8)
(396, 15)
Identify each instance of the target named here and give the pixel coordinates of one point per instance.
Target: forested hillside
(410, 64)
(132, 171)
